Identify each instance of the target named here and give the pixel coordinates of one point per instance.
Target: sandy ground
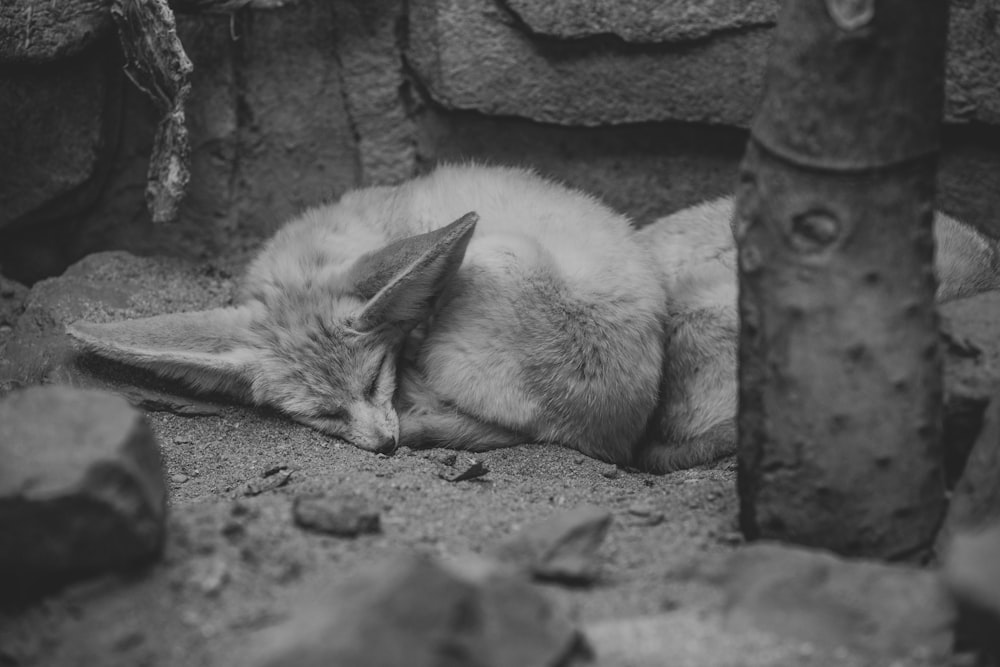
(236, 563)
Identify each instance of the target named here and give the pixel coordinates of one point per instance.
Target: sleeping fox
(538, 315)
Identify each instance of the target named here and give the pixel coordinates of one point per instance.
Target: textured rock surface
(38, 349)
(522, 57)
(469, 55)
(81, 487)
(372, 76)
(410, 610)
(882, 611)
(642, 20)
(40, 31)
(57, 132)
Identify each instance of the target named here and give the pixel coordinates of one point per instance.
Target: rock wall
(643, 102)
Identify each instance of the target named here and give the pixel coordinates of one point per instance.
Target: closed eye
(373, 384)
(336, 415)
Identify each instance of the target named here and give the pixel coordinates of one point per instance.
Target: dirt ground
(235, 561)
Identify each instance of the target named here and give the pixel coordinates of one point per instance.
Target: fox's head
(325, 355)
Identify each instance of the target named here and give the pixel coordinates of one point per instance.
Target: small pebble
(611, 472)
(179, 478)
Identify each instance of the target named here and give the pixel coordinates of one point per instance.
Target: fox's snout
(381, 443)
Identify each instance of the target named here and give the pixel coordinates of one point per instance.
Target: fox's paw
(663, 457)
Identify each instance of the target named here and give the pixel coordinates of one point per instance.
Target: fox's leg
(715, 443)
(520, 346)
(694, 422)
(427, 421)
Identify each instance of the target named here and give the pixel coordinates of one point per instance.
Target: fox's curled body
(548, 320)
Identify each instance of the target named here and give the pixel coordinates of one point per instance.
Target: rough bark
(156, 63)
(840, 378)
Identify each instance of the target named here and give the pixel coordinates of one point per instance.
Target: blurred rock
(975, 502)
(972, 568)
(81, 488)
(343, 515)
(561, 548)
(700, 638)
(882, 611)
(411, 610)
(972, 572)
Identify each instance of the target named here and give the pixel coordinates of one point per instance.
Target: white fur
(550, 319)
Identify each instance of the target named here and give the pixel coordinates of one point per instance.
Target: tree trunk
(840, 378)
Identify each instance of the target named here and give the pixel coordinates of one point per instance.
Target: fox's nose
(386, 444)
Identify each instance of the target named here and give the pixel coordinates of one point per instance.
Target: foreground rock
(972, 571)
(414, 611)
(81, 487)
(975, 502)
(877, 610)
(561, 548)
(695, 638)
(342, 515)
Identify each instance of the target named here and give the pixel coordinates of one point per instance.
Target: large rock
(470, 55)
(81, 487)
(642, 20)
(58, 129)
(41, 31)
(700, 638)
(882, 611)
(411, 610)
(975, 502)
(687, 60)
(100, 288)
(562, 547)
(372, 76)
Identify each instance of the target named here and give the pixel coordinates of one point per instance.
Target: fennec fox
(538, 316)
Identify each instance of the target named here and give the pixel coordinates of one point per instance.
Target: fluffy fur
(542, 317)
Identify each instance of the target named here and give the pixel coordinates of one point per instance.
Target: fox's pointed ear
(205, 349)
(402, 279)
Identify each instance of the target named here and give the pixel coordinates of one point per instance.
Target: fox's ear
(402, 279)
(205, 349)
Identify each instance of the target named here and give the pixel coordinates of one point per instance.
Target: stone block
(81, 487)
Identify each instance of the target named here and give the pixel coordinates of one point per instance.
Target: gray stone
(12, 297)
(41, 31)
(81, 487)
(57, 128)
(103, 287)
(975, 502)
(372, 73)
(642, 20)
(343, 515)
(526, 58)
(882, 611)
(469, 55)
(972, 568)
(411, 610)
(702, 638)
(561, 548)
